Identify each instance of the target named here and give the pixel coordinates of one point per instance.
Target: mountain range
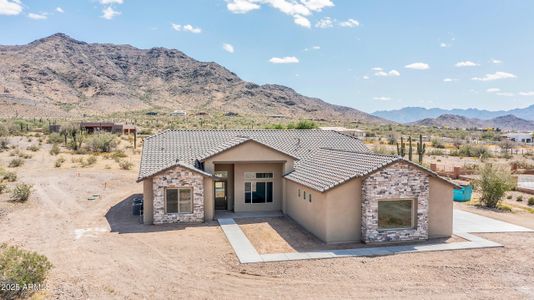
(58, 76)
(507, 122)
(413, 114)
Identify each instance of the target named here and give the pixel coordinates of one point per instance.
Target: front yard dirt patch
(283, 235)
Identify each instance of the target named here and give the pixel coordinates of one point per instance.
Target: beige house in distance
(329, 183)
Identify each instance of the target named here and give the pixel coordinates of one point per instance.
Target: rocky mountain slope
(413, 114)
(60, 76)
(508, 122)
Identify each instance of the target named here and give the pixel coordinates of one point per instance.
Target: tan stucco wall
(249, 152)
(344, 212)
(440, 209)
(229, 182)
(148, 201)
(239, 186)
(209, 201)
(310, 215)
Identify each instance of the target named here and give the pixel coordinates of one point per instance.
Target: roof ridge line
(360, 152)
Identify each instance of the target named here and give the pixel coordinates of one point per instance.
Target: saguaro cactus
(401, 149)
(410, 148)
(421, 149)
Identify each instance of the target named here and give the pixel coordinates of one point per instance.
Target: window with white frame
(178, 200)
(258, 187)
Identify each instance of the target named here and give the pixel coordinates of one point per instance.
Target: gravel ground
(99, 251)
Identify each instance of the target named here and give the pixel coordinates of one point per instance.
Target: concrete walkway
(464, 223)
(470, 222)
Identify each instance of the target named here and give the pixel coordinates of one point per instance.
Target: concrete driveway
(468, 222)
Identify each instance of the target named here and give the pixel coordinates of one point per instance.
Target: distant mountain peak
(413, 114)
(507, 122)
(61, 76)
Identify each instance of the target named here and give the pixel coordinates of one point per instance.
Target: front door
(221, 202)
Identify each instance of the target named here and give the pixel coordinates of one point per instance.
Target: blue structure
(463, 194)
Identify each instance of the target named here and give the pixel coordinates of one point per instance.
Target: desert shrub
(437, 144)
(381, 149)
(21, 192)
(101, 142)
(146, 131)
(472, 151)
(435, 152)
(33, 148)
(56, 138)
(494, 182)
(117, 155)
(10, 176)
(4, 131)
(15, 163)
(55, 149)
(91, 160)
(4, 144)
(3, 187)
(59, 162)
(519, 198)
(504, 207)
(125, 165)
(531, 201)
(509, 197)
(21, 268)
(302, 124)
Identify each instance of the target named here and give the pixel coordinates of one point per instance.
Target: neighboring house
(348, 131)
(92, 127)
(328, 182)
(521, 137)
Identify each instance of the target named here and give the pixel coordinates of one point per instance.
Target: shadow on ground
(121, 220)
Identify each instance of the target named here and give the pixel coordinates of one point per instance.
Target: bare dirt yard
(283, 235)
(100, 251)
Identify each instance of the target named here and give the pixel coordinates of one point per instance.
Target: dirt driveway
(100, 252)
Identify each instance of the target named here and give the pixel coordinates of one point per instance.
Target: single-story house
(92, 127)
(521, 137)
(328, 182)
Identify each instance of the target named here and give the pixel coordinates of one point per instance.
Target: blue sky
(370, 55)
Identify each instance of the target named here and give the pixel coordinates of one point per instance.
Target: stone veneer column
(399, 180)
(178, 177)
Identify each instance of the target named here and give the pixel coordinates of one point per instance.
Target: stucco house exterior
(328, 182)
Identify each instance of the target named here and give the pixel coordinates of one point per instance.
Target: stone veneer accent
(399, 180)
(178, 177)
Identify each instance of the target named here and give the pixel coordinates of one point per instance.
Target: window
(221, 174)
(178, 200)
(258, 187)
(304, 195)
(299, 192)
(309, 197)
(395, 214)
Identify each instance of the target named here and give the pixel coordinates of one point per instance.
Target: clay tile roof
(164, 149)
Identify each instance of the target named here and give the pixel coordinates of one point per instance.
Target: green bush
(21, 192)
(494, 182)
(15, 163)
(55, 149)
(509, 197)
(101, 142)
(117, 155)
(531, 201)
(3, 187)
(59, 162)
(125, 165)
(472, 151)
(56, 138)
(519, 198)
(21, 268)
